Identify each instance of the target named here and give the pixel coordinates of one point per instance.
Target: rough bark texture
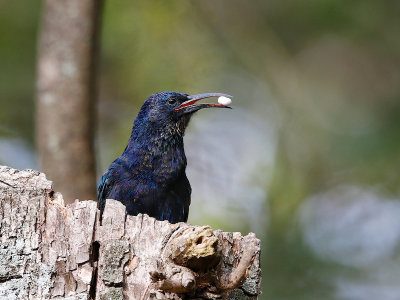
(66, 95)
(49, 251)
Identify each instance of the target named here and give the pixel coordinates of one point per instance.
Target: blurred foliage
(18, 29)
(325, 74)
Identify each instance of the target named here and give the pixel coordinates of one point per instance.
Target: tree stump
(52, 251)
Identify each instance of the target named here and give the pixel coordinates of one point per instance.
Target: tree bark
(66, 95)
(49, 251)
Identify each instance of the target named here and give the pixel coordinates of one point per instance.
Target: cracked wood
(52, 251)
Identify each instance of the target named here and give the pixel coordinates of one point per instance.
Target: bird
(150, 175)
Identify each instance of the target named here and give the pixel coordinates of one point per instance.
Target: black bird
(149, 177)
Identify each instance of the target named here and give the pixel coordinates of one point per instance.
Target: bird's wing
(103, 190)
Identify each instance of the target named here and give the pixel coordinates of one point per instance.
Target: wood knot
(195, 247)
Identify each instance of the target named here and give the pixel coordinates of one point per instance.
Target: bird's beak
(190, 106)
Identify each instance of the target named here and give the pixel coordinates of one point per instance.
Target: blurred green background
(308, 158)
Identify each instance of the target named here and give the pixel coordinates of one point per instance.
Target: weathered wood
(49, 251)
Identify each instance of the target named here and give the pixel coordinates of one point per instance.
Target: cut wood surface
(52, 251)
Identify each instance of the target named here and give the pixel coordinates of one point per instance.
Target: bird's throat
(157, 141)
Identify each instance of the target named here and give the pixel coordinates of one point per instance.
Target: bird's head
(173, 109)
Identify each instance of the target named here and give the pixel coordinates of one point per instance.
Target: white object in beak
(224, 100)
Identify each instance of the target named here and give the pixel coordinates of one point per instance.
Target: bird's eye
(171, 101)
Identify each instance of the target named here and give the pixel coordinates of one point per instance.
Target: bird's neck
(156, 152)
(149, 142)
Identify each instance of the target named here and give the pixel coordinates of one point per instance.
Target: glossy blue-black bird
(149, 177)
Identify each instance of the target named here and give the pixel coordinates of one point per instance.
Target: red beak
(191, 106)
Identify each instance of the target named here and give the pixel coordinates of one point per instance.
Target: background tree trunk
(49, 251)
(66, 95)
